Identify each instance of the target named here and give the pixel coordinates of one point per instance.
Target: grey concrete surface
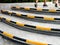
(54, 40)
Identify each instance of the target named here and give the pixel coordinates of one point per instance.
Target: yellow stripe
(39, 9)
(8, 35)
(35, 43)
(18, 14)
(9, 12)
(52, 10)
(19, 24)
(1, 17)
(8, 20)
(17, 7)
(43, 28)
(30, 16)
(27, 8)
(49, 18)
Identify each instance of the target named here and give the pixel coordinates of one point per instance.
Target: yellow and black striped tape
(38, 27)
(29, 16)
(21, 39)
(37, 9)
(9, 12)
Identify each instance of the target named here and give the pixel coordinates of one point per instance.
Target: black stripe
(32, 9)
(13, 14)
(57, 18)
(45, 9)
(21, 8)
(3, 19)
(13, 7)
(2, 11)
(20, 39)
(49, 44)
(30, 26)
(6, 12)
(1, 31)
(18, 8)
(24, 15)
(57, 10)
(38, 17)
(55, 29)
(13, 22)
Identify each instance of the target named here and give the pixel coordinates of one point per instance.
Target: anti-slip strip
(36, 9)
(29, 16)
(13, 40)
(37, 27)
(51, 33)
(21, 39)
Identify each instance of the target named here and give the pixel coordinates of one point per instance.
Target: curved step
(21, 39)
(29, 16)
(37, 27)
(35, 9)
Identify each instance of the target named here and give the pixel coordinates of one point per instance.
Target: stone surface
(54, 40)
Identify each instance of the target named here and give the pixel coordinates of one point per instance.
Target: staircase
(33, 21)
